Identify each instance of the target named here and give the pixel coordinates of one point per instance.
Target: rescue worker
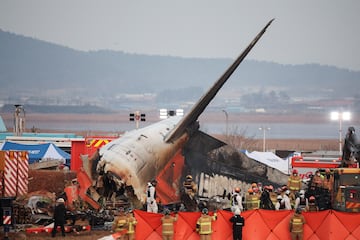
(328, 180)
(273, 195)
(265, 201)
(151, 197)
(279, 205)
(317, 180)
(120, 224)
(168, 225)
(252, 200)
(131, 223)
(301, 201)
(236, 200)
(312, 207)
(294, 183)
(59, 217)
(204, 223)
(286, 200)
(297, 222)
(238, 223)
(190, 187)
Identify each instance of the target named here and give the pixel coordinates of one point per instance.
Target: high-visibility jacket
(131, 223)
(168, 224)
(120, 223)
(296, 223)
(294, 183)
(204, 224)
(273, 197)
(253, 201)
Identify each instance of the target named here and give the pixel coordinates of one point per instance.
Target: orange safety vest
(297, 222)
(168, 225)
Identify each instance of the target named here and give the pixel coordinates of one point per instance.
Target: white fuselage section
(136, 157)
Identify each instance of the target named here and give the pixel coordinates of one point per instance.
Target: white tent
(270, 159)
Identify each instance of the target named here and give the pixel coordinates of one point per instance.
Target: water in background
(277, 130)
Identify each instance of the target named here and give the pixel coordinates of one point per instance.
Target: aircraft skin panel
(136, 158)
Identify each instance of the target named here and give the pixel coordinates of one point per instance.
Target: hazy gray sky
(306, 31)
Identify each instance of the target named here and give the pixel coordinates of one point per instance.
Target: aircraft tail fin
(200, 106)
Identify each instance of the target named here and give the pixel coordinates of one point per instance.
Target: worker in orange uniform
(168, 225)
(328, 180)
(312, 206)
(297, 222)
(131, 223)
(294, 184)
(317, 180)
(190, 187)
(120, 224)
(252, 199)
(204, 223)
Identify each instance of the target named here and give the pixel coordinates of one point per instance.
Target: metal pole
(227, 122)
(340, 133)
(264, 145)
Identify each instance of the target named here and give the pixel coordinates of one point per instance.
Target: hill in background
(35, 72)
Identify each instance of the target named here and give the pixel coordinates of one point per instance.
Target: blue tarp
(37, 152)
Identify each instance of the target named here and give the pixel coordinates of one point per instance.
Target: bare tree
(238, 139)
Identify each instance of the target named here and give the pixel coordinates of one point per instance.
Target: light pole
(227, 122)
(341, 116)
(264, 129)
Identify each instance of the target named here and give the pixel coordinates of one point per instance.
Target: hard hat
(287, 192)
(188, 177)
(295, 171)
(205, 211)
(166, 211)
(237, 211)
(302, 192)
(311, 198)
(279, 197)
(253, 185)
(250, 190)
(237, 189)
(60, 200)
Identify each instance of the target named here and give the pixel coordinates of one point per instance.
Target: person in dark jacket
(238, 223)
(59, 217)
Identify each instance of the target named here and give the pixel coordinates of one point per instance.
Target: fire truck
(346, 194)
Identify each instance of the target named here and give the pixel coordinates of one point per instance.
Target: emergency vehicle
(346, 194)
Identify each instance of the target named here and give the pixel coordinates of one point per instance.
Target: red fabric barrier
(259, 224)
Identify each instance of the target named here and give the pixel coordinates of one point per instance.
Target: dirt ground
(89, 235)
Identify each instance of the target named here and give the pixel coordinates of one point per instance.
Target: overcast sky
(305, 31)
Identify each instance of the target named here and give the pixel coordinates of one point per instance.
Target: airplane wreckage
(173, 148)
